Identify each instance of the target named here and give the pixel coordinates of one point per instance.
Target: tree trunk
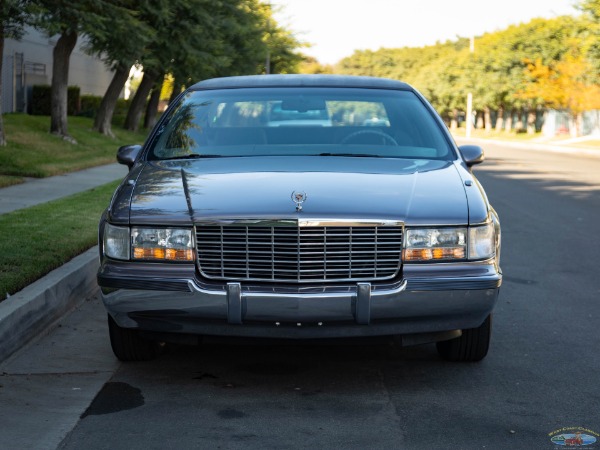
(61, 56)
(509, 121)
(176, 90)
(454, 120)
(519, 123)
(103, 121)
(500, 119)
(531, 121)
(575, 124)
(152, 108)
(479, 120)
(487, 118)
(136, 108)
(2, 137)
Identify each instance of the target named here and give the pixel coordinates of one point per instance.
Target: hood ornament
(299, 197)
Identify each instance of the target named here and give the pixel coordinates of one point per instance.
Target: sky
(336, 28)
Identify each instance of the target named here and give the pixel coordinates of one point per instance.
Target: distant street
(541, 373)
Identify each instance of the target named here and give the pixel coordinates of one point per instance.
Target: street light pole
(470, 96)
(268, 58)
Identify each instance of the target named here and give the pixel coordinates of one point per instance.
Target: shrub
(73, 100)
(120, 112)
(89, 105)
(41, 100)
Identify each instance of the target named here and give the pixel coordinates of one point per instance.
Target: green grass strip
(9, 180)
(41, 238)
(31, 151)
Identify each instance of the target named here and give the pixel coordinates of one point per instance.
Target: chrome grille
(299, 254)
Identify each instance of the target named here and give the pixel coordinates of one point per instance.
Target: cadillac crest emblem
(299, 197)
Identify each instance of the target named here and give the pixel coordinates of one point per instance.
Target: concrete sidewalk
(34, 310)
(532, 146)
(42, 190)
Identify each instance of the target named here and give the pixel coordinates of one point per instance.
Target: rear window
(300, 121)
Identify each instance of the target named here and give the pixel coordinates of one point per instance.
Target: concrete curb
(32, 311)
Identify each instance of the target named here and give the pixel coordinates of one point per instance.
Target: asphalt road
(542, 373)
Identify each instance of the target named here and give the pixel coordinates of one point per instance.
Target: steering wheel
(384, 136)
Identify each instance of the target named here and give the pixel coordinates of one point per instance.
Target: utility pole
(470, 96)
(268, 58)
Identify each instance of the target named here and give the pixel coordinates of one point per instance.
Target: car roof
(253, 81)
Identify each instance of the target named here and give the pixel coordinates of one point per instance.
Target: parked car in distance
(229, 226)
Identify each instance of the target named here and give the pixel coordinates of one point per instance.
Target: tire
(472, 346)
(127, 345)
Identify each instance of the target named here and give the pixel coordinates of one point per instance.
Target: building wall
(29, 61)
(560, 122)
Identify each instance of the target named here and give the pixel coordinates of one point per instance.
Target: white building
(29, 61)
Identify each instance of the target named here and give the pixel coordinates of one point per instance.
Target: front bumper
(428, 299)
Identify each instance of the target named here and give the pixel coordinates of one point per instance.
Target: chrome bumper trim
(237, 300)
(396, 289)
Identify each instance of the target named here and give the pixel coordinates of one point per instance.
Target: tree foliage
(188, 40)
(69, 19)
(520, 68)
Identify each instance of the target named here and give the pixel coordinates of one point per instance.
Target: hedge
(41, 100)
(89, 105)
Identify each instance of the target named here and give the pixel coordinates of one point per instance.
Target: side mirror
(127, 154)
(472, 154)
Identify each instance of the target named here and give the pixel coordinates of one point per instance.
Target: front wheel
(128, 345)
(472, 346)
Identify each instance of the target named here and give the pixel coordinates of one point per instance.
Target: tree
(120, 49)
(591, 9)
(186, 22)
(14, 15)
(68, 19)
(567, 84)
(152, 106)
(215, 38)
(311, 65)
(280, 43)
(445, 72)
(138, 102)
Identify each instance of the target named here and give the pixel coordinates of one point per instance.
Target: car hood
(418, 192)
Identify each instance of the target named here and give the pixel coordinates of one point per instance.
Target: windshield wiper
(358, 155)
(194, 156)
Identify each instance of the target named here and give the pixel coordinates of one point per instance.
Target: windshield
(300, 121)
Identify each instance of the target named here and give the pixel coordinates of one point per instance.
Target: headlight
(116, 242)
(161, 244)
(445, 244)
(150, 244)
(435, 244)
(482, 242)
